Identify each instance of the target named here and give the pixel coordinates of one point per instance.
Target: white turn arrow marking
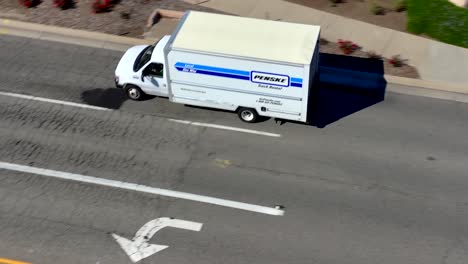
(138, 248)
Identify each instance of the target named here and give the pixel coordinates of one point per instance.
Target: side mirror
(143, 74)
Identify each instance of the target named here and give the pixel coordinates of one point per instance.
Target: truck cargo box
(231, 62)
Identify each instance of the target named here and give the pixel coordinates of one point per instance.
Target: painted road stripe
(225, 128)
(53, 101)
(141, 188)
(10, 261)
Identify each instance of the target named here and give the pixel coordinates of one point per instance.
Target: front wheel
(134, 92)
(248, 115)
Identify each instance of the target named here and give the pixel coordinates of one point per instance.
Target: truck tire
(134, 92)
(247, 115)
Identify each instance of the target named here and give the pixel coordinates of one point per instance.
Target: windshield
(143, 58)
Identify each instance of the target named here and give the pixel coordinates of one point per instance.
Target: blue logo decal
(254, 76)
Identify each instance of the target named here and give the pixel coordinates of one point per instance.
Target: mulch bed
(403, 71)
(126, 18)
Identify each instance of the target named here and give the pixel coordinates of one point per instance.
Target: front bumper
(117, 85)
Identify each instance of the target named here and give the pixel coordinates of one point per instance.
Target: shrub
(374, 55)
(400, 5)
(64, 4)
(347, 46)
(29, 3)
(100, 6)
(396, 61)
(377, 9)
(324, 41)
(440, 20)
(125, 15)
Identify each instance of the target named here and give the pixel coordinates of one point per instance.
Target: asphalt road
(384, 185)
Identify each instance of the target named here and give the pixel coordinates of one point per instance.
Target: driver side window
(155, 69)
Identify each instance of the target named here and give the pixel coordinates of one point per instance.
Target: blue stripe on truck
(296, 80)
(220, 74)
(223, 72)
(189, 66)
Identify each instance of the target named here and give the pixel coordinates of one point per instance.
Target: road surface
(383, 185)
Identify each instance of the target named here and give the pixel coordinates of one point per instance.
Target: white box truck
(251, 66)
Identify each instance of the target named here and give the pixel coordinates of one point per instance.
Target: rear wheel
(248, 115)
(134, 92)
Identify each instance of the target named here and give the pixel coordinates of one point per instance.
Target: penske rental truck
(250, 66)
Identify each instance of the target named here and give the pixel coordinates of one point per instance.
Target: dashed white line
(141, 188)
(226, 128)
(53, 101)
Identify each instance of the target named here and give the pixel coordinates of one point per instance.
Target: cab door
(153, 81)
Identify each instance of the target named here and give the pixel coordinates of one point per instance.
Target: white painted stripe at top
(60, 102)
(226, 128)
(141, 188)
(53, 101)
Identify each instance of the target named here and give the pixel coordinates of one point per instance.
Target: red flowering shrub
(102, 5)
(396, 61)
(64, 4)
(29, 3)
(347, 46)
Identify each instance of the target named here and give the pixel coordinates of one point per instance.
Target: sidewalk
(434, 60)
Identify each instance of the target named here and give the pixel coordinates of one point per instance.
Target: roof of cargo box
(247, 37)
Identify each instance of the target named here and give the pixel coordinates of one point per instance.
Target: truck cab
(141, 71)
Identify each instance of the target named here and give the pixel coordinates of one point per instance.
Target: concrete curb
(163, 13)
(71, 36)
(426, 88)
(433, 85)
(427, 92)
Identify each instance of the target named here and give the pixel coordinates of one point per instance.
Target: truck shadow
(112, 98)
(346, 85)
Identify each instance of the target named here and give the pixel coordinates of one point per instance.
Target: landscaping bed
(126, 18)
(435, 19)
(384, 13)
(391, 66)
(129, 18)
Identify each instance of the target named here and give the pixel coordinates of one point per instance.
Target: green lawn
(439, 19)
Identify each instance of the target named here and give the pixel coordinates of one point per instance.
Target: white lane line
(141, 188)
(53, 101)
(225, 128)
